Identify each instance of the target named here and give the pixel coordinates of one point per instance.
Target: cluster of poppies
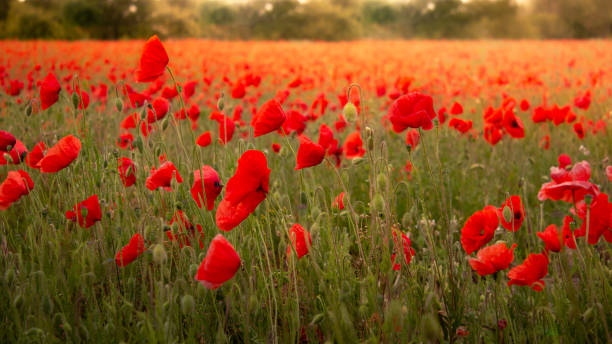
(591, 209)
(409, 109)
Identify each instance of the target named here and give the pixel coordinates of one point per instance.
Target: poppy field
(368, 191)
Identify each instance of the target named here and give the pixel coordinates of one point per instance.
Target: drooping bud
(507, 213)
(350, 112)
(221, 102)
(159, 254)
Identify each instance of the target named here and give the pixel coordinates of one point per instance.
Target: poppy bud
(29, 109)
(187, 304)
(357, 160)
(193, 269)
(9, 276)
(75, 100)
(47, 305)
(381, 180)
(165, 124)
(432, 329)
(406, 220)
(159, 254)
(118, 105)
(588, 315)
(350, 112)
(378, 203)
(138, 143)
(588, 198)
(18, 301)
(221, 102)
(8, 158)
(507, 213)
(521, 182)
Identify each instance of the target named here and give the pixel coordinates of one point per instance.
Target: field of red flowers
(371, 191)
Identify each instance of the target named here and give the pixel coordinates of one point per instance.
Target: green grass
(60, 282)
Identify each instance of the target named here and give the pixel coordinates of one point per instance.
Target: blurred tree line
(306, 19)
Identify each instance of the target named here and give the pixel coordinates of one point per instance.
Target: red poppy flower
(17, 154)
(269, 117)
(298, 241)
(38, 152)
(609, 173)
(131, 251)
(599, 219)
(550, 236)
(219, 265)
(83, 98)
(153, 61)
(525, 105)
(206, 180)
(125, 140)
(226, 126)
(516, 212)
(169, 92)
(14, 88)
(579, 130)
(407, 248)
(186, 230)
(276, 147)
(442, 115)
(309, 153)
(162, 177)
(353, 145)
(492, 259)
(530, 273)
(479, 229)
(7, 141)
(130, 121)
(513, 125)
(238, 90)
(460, 125)
(564, 160)
(583, 101)
(326, 136)
(492, 134)
(49, 91)
(569, 239)
(244, 191)
(339, 201)
(86, 213)
(569, 186)
(127, 171)
(159, 111)
(456, 109)
(204, 139)
(412, 110)
(295, 122)
(412, 139)
(61, 155)
(16, 184)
